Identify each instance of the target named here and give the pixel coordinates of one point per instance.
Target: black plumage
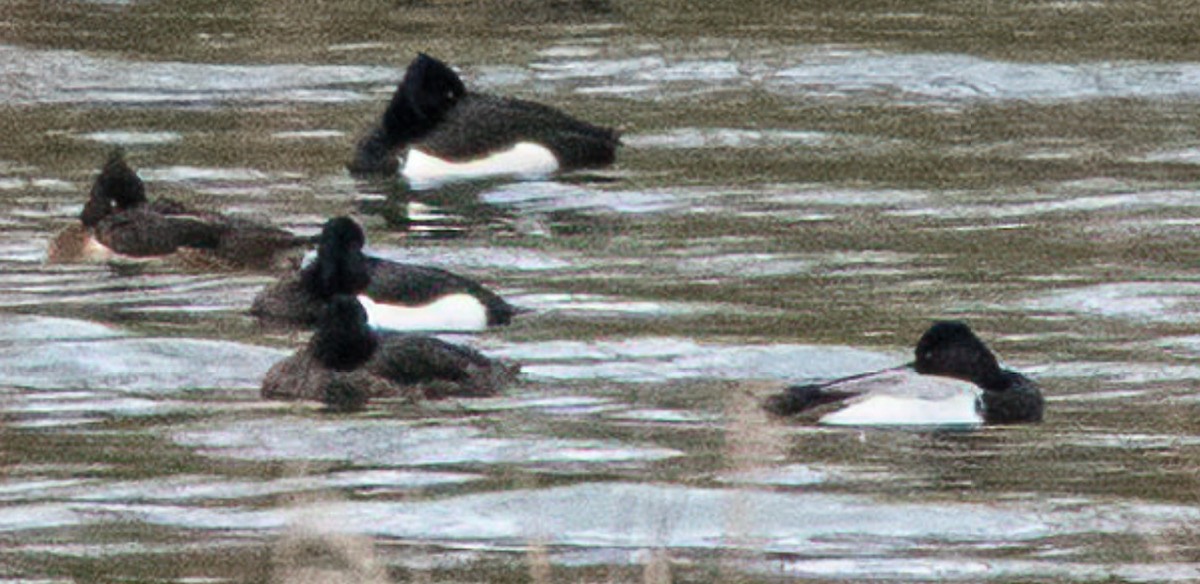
(120, 217)
(341, 268)
(947, 349)
(345, 363)
(432, 110)
(480, 124)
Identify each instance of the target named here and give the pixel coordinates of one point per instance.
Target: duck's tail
(800, 398)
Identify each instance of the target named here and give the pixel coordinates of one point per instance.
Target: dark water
(802, 189)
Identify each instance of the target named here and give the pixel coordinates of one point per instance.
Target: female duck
(954, 380)
(345, 364)
(443, 133)
(396, 296)
(118, 221)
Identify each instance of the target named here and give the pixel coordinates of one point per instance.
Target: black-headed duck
(954, 380)
(396, 296)
(118, 221)
(345, 364)
(434, 131)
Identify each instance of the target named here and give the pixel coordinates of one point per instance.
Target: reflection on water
(382, 443)
(802, 189)
(651, 359)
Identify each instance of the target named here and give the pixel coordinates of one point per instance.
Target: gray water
(802, 189)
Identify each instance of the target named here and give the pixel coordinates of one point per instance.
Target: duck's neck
(403, 123)
(1019, 402)
(95, 210)
(344, 346)
(336, 271)
(992, 379)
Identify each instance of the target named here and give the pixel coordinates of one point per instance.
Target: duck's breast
(76, 244)
(907, 398)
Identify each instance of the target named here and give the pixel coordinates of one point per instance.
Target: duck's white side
(451, 313)
(524, 161)
(907, 398)
(458, 312)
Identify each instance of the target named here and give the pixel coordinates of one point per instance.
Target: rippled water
(802, 189)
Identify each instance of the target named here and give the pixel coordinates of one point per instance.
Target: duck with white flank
(955, 380)
(396, 296)
(442, 133)
(346, 363)
(119, 222)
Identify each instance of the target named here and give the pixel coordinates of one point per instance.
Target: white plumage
(907, 398)
(524, 161)
(451, 313)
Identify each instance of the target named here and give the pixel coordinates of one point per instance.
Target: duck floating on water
(119, 222)
(396, 296)
(434, 131)
(954, 380)
(345, 364)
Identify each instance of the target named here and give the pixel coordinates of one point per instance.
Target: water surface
(801, 190)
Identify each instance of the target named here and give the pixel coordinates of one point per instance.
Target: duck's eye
(928, 355)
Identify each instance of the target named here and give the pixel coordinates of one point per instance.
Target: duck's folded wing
(413, 359)
(250, 243)
(909, 399)
(168, 206)
(142, 233)
(412, 284)
(480, 124)
(302, 377)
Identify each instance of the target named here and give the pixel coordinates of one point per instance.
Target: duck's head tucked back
(117, 185)
(429, 90)
(951, 349)
(340, 267)
(343, 340)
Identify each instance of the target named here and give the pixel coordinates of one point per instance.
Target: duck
(396, 296)
(119, 222)
(346, 363)
(955, 379)
(434, 131)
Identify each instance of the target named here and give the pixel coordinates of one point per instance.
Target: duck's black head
(427, 92)
(431, 86)
(340, 267)
(951, 349)
(429, 89)
(117, 185)
(342, 232)
(343, 340)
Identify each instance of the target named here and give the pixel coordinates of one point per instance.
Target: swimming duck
(443, 133)
(118, 221)
(954, 380)
(345, 364)
(396, 296)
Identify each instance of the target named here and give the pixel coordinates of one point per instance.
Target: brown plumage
(345, 363)
(118, 220)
